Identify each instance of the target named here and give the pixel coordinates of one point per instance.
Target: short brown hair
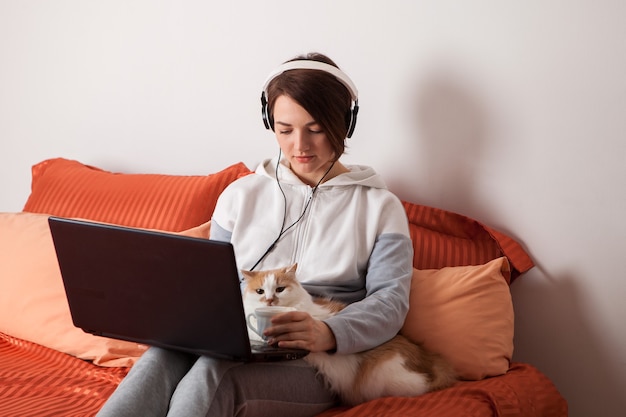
(321, 94)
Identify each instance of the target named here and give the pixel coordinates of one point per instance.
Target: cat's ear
(248, 275)
(292, 268)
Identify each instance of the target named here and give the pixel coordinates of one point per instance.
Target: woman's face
(301, 140)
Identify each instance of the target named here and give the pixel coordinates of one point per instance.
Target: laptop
(156, 288)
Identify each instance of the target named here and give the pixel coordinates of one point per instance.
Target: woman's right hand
(299, 330)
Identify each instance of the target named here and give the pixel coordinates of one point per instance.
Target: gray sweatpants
(170, 383)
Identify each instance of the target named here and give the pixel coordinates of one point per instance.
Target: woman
(348, 234)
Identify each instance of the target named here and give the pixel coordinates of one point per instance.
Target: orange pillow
(69, 188)
(32, 298)
(465, 314)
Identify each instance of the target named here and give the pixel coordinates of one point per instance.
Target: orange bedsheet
(37, 381)
(522, 392)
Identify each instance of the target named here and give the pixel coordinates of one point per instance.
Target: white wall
(511, 112)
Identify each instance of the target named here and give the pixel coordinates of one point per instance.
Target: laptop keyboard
(261, 346)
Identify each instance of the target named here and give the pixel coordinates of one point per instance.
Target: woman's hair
(321, 94)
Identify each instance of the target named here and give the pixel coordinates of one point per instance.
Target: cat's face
(278, 287)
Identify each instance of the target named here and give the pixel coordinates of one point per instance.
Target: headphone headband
(314, 65)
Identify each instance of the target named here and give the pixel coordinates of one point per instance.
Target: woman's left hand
(297, 329)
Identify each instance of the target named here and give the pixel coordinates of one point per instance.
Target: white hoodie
(351, 243)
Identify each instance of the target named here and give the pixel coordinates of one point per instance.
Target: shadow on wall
(452, 130)
(553, 333)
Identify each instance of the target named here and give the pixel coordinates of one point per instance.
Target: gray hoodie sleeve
(379, 316)
(219, 233)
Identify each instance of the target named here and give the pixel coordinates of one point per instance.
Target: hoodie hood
(359, 175)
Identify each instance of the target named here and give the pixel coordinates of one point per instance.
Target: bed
(460, 303)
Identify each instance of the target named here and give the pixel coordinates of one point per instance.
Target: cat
(398, 368)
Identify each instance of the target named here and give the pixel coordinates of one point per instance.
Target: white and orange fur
(398, 368)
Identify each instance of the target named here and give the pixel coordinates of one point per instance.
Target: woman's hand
(297, 329)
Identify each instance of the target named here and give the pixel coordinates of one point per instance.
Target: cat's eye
(280, 289)
(260, 291)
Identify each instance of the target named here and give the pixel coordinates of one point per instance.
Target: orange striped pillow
(442, 238)
(69, 188)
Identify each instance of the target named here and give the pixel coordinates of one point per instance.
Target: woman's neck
(337, 168)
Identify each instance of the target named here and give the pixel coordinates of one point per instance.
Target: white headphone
(319, 66)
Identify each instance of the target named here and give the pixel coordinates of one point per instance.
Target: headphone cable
(284, 230)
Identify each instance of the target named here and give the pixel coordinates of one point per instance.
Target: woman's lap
(210, 387)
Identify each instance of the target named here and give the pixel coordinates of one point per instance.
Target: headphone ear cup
(348, 122)
(351, 119)
(267, 120)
